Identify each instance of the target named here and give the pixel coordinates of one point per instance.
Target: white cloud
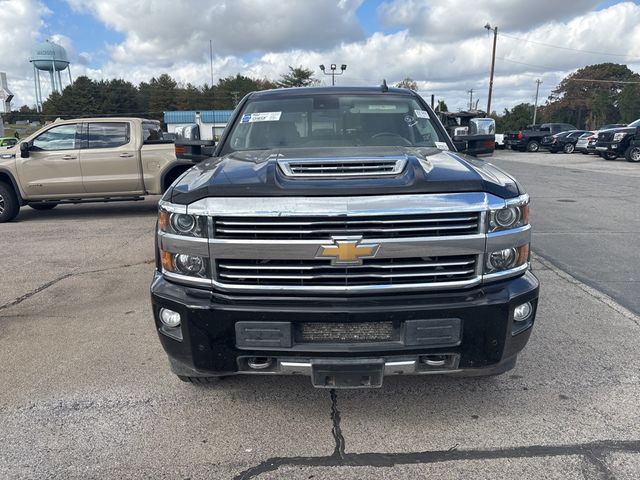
(261, 39)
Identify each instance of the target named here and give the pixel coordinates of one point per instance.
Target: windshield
(334, 121)
(634, 124)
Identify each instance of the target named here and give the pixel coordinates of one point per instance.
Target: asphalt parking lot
(86, 391)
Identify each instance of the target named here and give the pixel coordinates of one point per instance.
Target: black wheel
(569, 148)
(9, 207)
(43, 205)
(533, 146)
(609, 155)
(199, 380)
(632, 154)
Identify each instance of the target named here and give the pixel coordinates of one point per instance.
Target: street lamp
(493, 64)
(333, 72)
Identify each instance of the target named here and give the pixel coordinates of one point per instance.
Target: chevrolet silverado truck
(338, 233)
(531, 137)
(617, 142)
(87, 160)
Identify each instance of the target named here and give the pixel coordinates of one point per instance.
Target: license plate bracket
(347, 373)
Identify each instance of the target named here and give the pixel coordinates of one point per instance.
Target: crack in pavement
(51, 283)
(594, 452)
(336, 431)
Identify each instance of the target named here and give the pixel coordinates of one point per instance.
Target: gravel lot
(87, 393)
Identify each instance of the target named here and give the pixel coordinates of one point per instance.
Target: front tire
(632, 154)
(533, 146)
(43, 205)
(9, 206)
(569, 148)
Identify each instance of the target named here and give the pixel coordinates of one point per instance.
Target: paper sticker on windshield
(442, 145)
(421, 113)
(261, 117)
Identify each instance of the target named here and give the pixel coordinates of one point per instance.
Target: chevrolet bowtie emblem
(347, 251)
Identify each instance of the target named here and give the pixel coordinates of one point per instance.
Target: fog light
(169, 317)
(522, 312)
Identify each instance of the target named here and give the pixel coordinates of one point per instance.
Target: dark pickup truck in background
(531, 137)
(339, 233)
(616, 142)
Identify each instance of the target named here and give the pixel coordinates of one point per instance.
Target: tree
(590, 96)
(515, 119)
(630, 103)
(411, 84)
(442, 106)
(297, 77)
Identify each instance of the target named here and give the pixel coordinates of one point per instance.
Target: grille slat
(372, 272)
(399, 226)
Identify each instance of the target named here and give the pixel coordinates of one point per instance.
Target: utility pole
(211, 59)
(493, 64)
(235, 96)
(535, 106)
(470, 92)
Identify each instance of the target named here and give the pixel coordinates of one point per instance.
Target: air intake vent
(350, 167)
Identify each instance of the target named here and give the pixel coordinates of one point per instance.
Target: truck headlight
(512, 216)
(182, 224)
(619, 136)
(506, 259)
(184, 264)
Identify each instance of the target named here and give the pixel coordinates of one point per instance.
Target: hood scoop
(355, 167)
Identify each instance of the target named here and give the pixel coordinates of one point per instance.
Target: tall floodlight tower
(49, 57)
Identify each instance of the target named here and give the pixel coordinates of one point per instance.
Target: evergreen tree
(297, 77)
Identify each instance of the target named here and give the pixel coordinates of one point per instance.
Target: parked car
(529, 139)
(616, 142)
(8, 141)
(499, 141)
(563, 141)
(583, 141)
(343, 254)
(84, 160)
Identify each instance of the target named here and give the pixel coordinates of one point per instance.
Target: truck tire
(43, 205)
(533, 146)
(608, 155)
(632, 154)
(199, 380)
(9, 206)
(569, 148)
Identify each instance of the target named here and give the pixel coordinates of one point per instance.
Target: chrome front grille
(356, 167)
(379, 227)
(373, 271)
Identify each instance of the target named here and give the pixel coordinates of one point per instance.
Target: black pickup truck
(338, 233)
(531, 137)
(616, 142)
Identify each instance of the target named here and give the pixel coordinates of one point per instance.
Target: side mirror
(24, 149)
(460, 144)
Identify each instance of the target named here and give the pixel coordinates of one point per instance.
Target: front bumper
(615, 147)
(211, 342)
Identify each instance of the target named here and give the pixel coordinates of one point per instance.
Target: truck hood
(257, 174)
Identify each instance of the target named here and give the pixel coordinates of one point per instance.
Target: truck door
(53, 167)
(110, 159)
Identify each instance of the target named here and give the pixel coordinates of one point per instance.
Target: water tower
(49, 57)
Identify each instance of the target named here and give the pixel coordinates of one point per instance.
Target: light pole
(493, 64)
(333, 72)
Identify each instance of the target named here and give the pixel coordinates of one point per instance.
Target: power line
(568, 48)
